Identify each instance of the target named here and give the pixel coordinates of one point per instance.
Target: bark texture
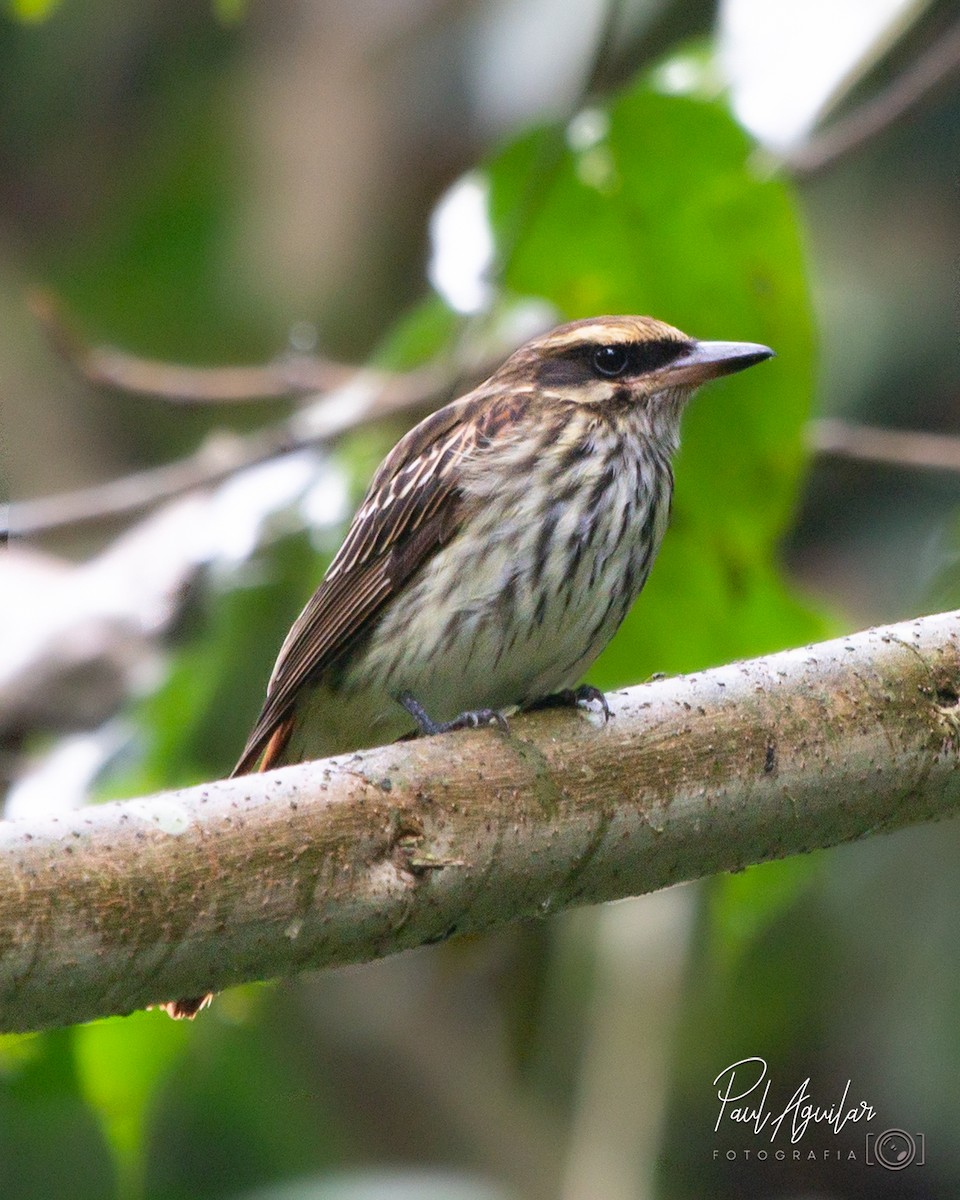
(115, 907)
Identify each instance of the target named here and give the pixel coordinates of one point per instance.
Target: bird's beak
(709, 360)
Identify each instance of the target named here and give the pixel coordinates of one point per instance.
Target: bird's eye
(610, 361)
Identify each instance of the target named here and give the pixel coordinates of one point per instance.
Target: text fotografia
(744, 1088)
(743, 1155)
(894, 1149)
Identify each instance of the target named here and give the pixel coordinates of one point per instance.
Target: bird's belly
(502, 631)
(484, 660)
(521, 617)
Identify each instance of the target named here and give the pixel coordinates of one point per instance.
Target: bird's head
(624, 362)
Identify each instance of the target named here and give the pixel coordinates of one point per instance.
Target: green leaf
(230, 12)
(18, 1049)
(120, 1063)
(942, 590)
(744, 906)
(424, 333)
(32, 12)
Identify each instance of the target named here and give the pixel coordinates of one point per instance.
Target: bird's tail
(269, 755)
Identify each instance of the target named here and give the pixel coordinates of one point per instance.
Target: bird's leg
(464, 720)
(586, 693)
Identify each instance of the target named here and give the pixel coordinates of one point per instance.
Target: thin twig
(369, 396)
(105, 366)
(344, 398)
(611, 21)
(849, 133)
(217, 458)
(899, 447)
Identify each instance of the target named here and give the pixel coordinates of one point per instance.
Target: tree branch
(284, 378)
(369, 396)
(347, 398)
(353, 858)
(897, 447)
(849, 133)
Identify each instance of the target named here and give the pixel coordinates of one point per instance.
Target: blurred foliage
(33, 10)
(121, 1064)
(194, 726)
(941, 577)
(742, 906)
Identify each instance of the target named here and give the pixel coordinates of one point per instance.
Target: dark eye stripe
(651, 356)
(579, 364)
(634, 358)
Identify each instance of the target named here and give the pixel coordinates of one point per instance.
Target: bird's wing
(413, 507)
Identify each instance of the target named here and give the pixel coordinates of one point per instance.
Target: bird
(499, 547)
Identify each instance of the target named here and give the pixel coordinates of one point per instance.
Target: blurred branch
(220, 456)
(104, 366)
(848, 133)
(366, 397)
(357, 857)
(373, 397)
(900, 447)
(611, 22)
(353, 397)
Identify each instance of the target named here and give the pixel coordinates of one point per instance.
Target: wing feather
(413, 506)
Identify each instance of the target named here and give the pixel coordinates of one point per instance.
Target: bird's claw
(585, 694)
(472, 719)
(478, 717)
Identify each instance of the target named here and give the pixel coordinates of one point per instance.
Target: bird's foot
(585, 694)
(185, 1010)
(464, 720)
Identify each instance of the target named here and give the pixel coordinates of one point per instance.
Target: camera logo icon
(895, 1149)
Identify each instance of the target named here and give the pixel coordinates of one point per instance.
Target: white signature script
(747, 1077)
